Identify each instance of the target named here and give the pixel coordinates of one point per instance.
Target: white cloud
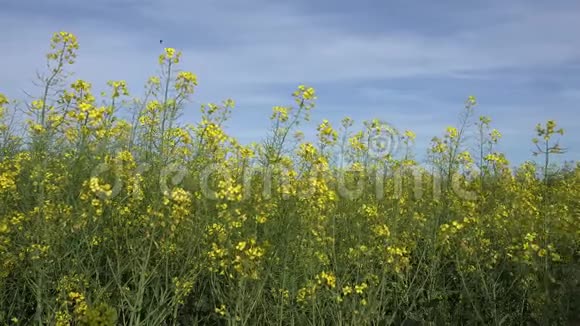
(246, 50)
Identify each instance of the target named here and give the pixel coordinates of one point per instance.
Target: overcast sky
(411, 63)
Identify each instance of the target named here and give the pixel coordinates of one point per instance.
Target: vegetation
(149, 221)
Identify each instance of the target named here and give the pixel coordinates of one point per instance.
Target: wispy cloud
(415, 62)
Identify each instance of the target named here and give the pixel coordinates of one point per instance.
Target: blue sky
(411, 63)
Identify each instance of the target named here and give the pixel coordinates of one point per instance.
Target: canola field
(115, 211)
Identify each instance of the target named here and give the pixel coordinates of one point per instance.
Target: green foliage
(106, 221)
